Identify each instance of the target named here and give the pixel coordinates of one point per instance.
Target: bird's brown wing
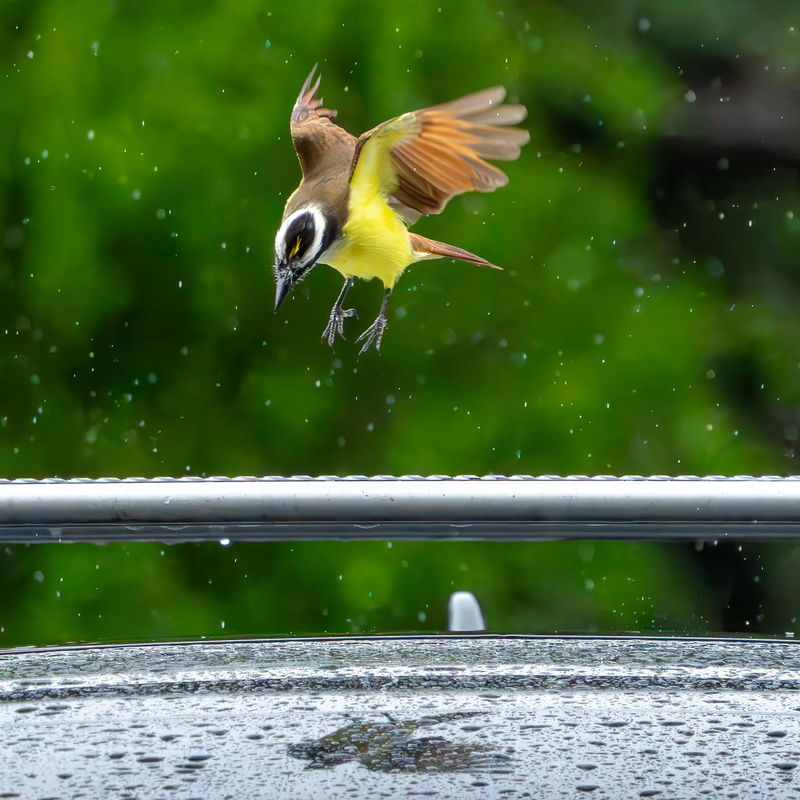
(418, 161)
(321, 145)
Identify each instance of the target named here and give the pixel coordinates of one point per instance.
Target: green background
(646, 320)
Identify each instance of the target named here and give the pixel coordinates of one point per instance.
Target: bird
(359, 196)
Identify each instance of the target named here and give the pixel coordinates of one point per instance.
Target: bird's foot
(336, 323)
(373, 335)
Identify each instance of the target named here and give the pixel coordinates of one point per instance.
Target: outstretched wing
(319, 142)
(418, 161)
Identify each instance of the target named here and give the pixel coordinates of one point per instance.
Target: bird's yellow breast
(375, 241)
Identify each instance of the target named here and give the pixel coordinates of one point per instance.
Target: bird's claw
(373, 335)
(336, 324)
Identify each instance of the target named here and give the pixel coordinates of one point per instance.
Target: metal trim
(471, 507)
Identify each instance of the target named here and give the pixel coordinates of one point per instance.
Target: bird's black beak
(282, 288)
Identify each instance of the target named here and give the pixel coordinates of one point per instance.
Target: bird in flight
(359, 196)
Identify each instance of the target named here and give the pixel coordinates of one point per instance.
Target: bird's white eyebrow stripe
(319, 229)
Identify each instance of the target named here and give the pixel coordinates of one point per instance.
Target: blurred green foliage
(646, 320)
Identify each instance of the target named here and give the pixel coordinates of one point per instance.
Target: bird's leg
(338, 315)
(374, 333)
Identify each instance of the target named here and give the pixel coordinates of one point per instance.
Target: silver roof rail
(410, 507)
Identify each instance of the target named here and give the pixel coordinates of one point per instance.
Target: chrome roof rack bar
(410, 507)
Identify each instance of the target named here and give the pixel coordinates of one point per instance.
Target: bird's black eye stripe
(305, 241)
(301, 229)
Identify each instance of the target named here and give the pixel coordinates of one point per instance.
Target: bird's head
(302, 239)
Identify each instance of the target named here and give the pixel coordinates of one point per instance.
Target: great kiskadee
(358, 197)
